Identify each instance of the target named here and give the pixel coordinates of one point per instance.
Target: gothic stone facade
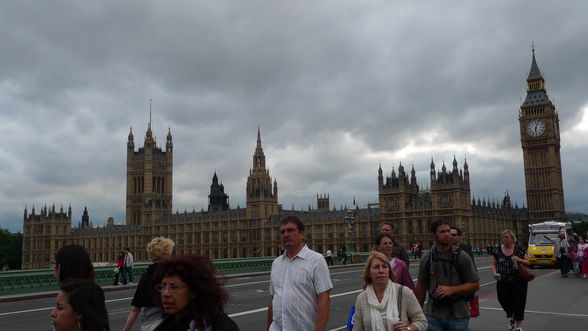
(411, 210)
(539, 130)
(224, 232)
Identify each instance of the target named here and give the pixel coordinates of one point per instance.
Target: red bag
(475, 307)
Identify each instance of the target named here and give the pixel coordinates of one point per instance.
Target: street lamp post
(349, 221)
(464, 230)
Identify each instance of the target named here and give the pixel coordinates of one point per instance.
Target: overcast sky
(338, 87)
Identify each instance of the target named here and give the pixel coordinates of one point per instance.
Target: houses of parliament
(251, 231)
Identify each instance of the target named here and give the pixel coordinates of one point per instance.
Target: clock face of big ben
(535, 128)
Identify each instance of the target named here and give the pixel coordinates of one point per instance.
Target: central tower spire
(262, 195)
(258, 156)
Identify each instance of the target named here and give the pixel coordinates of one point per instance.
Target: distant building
(225, 232)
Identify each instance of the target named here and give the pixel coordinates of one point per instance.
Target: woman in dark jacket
(191, 296)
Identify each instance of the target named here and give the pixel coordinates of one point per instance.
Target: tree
(10, 249)
(580, 228)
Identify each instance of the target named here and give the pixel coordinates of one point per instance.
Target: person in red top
(119, 265)
(415, 251)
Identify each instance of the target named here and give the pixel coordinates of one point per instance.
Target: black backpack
(454, 261)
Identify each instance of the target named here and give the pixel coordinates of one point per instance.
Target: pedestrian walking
(342, 254)
(447, 275)
(119, 267)
(583, 256)
(575, 260)
(329, 257)
(80, 305)
(73, 262)
(191, 295)
(385, 245)
(127, 268)
(159, 249)
(300, 284)
(386, 305)
(398, 250)
(456, 236)
(510, 289)
(415, 251)
(561, 249)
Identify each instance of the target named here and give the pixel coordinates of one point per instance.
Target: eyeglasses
(171, 287)
(455, 235)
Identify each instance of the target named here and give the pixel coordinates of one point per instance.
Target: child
(575, 258)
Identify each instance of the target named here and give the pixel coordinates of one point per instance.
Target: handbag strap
(399, 304)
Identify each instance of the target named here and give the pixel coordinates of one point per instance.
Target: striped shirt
(294, 285)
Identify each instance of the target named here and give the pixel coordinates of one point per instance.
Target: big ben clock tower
(539, 128)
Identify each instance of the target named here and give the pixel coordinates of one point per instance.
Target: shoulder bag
(524, 273)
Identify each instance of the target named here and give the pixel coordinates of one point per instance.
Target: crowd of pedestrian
(571, 252)
(183, 292)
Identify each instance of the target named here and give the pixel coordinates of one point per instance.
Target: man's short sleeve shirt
(295, 284)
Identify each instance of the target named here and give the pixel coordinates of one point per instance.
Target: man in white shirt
(300, 284)
(128, 267)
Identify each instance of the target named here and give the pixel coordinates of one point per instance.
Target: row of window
(157, 184)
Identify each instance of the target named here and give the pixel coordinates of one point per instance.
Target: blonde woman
(377, 308)
(159, 249)
(510, 289)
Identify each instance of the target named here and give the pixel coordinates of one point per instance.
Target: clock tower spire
(539, 130)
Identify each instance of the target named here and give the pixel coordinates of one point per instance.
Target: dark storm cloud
(338, 87)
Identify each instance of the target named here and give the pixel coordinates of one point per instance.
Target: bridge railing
(28, 281)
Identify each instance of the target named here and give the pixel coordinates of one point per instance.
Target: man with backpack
(448, 275)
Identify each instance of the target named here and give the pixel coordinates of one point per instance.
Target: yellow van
(541, 251)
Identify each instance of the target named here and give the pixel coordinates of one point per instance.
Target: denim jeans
(564, 264)
(447, 324)
(129, 271)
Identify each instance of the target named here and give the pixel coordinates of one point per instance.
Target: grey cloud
(76, 76)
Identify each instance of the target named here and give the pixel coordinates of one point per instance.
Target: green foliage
(580, 228)
(579, 222)
(10, 249)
